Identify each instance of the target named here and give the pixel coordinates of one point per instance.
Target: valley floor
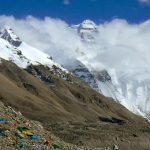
(94, 136)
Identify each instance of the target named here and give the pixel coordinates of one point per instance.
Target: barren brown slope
(64, 100)
(67, 106)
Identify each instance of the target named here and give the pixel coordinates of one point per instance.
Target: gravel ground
(11, 137)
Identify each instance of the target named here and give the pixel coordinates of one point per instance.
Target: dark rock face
(103, 76)
(9, 35)
(40, 75)
(112, 120)
(85, 75)
(46, 74)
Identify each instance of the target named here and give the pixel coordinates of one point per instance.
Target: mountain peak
(86, 30)
(88, 24)
(8, 34)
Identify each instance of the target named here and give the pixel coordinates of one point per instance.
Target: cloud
(145, 1)
(66, 2)
(119, 45)
(50, 35)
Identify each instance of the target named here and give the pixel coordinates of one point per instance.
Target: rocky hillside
(18, 132)
(71, 110)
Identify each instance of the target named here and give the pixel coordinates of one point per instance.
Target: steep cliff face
(10, 36)
(81, 71)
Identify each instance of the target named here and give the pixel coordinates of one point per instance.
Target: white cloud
(119, 45)
(145, 1)
(50, 35)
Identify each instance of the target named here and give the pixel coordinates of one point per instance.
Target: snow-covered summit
(88, 25)
(9, 35)
(22, 54)
(86, 30)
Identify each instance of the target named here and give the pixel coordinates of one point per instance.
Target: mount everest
(114, 78)
(130, 88)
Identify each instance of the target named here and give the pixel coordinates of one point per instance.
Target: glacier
(129, 87)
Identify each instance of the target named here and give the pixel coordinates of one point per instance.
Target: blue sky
(74, 11)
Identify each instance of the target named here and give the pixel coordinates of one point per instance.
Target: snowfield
(24, 54)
